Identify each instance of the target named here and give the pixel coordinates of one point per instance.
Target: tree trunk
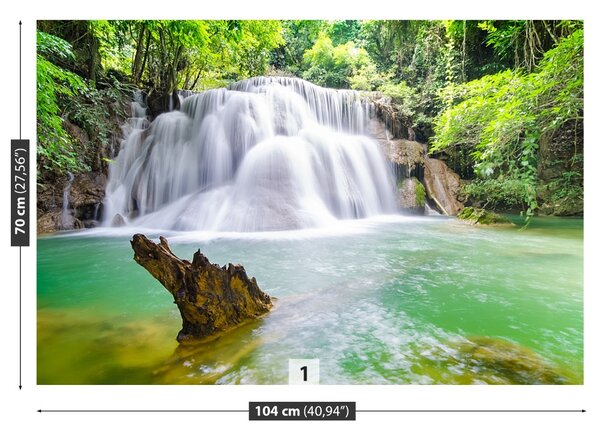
(196, 80)
(94, 62)
(139, 55)
(210, 298)
(148, 40)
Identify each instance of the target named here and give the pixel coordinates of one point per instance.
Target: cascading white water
(268, 153)
(65, 217)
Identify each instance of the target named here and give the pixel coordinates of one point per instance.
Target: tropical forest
(402, 200)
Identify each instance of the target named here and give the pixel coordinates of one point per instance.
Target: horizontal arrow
(361, 411)
(476, 411)
(137, 411)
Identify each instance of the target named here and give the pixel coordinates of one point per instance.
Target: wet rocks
(497, 361)
(210, 298)
(407, 156)
(118, 221)
(410, 196)
(86, 193)
(443, 186)
(473, 215)
(160, 102)
(410, 160)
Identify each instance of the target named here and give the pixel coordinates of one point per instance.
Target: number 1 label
(303, 371)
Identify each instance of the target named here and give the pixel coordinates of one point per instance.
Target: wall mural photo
(398, 201)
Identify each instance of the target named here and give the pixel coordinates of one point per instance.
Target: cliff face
(210, 298)
(85, 191)
(443, 186)
(413, 166)
(560, 171)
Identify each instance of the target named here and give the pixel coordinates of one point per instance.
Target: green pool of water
(428, 300)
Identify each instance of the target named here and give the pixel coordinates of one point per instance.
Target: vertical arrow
(20, 324)
(20, 285)
(20, 67)
(19, 170)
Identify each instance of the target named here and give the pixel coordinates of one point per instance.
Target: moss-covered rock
(420, 194)
(411, 196)
(497, 361)
(474, 215)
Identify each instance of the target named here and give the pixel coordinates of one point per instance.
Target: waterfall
(65, 217)
(429, 211)
(267, 153)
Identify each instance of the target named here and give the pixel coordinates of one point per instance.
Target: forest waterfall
(267, 153)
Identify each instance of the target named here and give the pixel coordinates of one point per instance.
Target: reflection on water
(406, 301)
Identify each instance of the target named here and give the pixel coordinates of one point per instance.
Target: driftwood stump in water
(210, 298)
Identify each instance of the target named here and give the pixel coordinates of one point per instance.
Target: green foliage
(114, 51)
(400, 92)
(523, 43)
(368, 78)
(566, 190)
(499, 119)
(93, 111)
(560, 82)
(195, 54)
(56, 148)
(343, 31)
(568, 186)
(299, 36)
(415, 53)
(391, 43)
(321, 65)
(489, 118)
(167, 43)
(420, 194)
(67, 99)
(404, 100)
(257, 40)
(51, 46)
(340, 66)
(502, 192)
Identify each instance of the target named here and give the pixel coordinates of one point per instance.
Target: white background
(18, 410)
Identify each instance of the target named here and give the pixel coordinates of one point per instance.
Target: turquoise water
(398, 300)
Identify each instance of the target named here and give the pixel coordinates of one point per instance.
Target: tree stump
(210, 298)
